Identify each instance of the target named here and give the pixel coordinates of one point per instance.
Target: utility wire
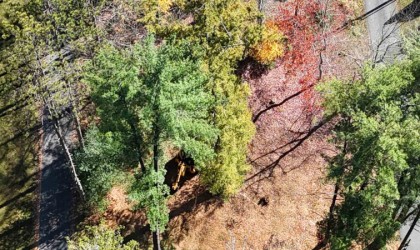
(366, 15)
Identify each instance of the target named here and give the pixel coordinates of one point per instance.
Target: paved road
(386, 46)
(414, 243)
(385, 39)
(57, 191)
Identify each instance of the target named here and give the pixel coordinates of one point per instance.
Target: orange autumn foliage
(271, 46)
(307, 25)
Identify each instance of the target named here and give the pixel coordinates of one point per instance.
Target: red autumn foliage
(298, 24)
(307, 24)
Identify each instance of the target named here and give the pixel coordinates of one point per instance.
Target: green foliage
(99, 237)
(226, 174)
(225, 30)
(27, 30)
(150, 192)
(101, 163)
(117, 93)
(169, 94)
(157, 99)
(31, 30)
(380, 128)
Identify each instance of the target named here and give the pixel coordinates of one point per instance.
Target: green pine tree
(379, 137)
(156, 97)
(225, 30)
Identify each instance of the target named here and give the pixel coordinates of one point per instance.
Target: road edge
(38, 183)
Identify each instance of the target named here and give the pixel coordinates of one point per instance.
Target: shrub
(271, 46)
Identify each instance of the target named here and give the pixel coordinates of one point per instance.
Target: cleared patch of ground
(286, 193)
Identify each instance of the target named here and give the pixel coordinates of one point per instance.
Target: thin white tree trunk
(62, 139)
(76, 117)
(156, 240)
(57, 127)
(69, 157)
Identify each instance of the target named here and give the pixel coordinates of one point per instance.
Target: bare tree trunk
(137, 142)
(404, 205)
(54, 116)
(78, 127)
(74, 105)
(69, 157)
(260, 8)
(156, 234)
(413, 225)
(156, 149)
(156, 240)
(324, 243)
(331, 213)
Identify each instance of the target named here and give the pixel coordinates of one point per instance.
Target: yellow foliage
(224, 29)
(164, 5)
(154, 12)
(271, 46)
(226, 174)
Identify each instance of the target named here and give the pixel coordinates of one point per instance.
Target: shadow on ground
(18, 180)
(179, 211)
(58, 193)
(410, 12)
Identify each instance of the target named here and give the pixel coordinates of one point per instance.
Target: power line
(366, 15)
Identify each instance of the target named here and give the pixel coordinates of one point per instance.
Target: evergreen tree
(226, 30)
(102, 163)
(36, 42)
(162, 92)
(99, 237)
(379, 134)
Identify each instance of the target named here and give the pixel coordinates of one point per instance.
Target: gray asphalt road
(386, 46)
(414, 241)
(57, 191)
(385, 39)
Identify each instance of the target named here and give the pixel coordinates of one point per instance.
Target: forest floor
(19, 147)
(278, 208)
(280, 211)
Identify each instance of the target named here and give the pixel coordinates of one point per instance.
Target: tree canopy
(99, 237)
(379, 138)
(155, 97)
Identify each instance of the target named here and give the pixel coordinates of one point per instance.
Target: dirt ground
(275, 212)
(279, 209)
(275, 209)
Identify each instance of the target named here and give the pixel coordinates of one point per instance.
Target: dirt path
(57, 192)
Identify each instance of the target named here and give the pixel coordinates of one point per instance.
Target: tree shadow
(275, 105)
(250, 69)
(12, 237)
(410, 12)
(267, 170)
(17, 197)
(21, 134)
(58, 200)
(187, 207)
(18, 183)
(142, 233)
